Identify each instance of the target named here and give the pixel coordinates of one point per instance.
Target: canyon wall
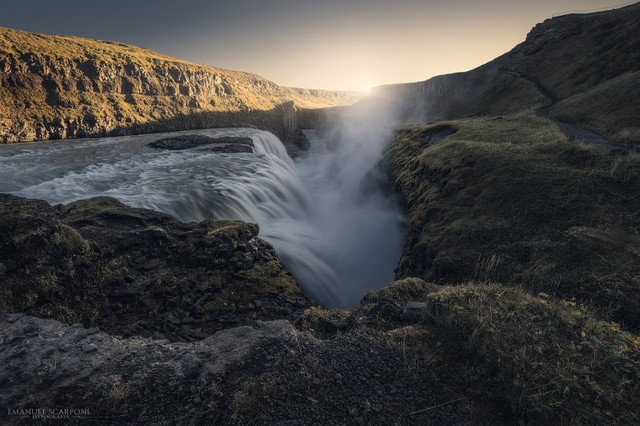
(56, 87)
(576, 61)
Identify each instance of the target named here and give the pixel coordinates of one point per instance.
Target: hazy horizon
(347, 45)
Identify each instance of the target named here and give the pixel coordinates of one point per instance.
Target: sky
(321, 44)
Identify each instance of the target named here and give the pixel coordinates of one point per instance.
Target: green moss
(268, 279)
(230, 229)
(115, 269)
(69, 242)
(501, 200)
(400, 292)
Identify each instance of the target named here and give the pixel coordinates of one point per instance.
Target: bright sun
(365, 87)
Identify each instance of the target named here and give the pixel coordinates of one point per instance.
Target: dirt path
(573, 131)
(579, 134)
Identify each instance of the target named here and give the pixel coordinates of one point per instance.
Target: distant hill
(54, 87)
(586, 65)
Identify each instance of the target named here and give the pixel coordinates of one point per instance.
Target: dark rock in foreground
(266, 373)
(410, 355)
(129, 274)
(136, 379)
(228, 144)
(138, 272)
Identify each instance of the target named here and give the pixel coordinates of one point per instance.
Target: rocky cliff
(576, 63)
(54, 87)
(102, 263)
(121, 315)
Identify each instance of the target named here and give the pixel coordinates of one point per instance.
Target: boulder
(227, 144)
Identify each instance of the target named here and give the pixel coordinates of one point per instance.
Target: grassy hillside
(548, 361)
(534, 242)
(58, 86)
(590, 64)
(511, 200)
(533, 238)
(573, 53)
(585, 64)
(610, 108)
(508, 197)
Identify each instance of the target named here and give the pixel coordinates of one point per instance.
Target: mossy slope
(550, 360)
(511, 200)
(138, 272)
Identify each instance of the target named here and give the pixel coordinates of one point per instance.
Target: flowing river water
(328, 214)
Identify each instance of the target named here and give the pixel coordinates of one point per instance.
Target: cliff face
(54, 87)
(586, 56)
(573, 53)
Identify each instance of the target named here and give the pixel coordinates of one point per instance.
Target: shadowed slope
(586, 64)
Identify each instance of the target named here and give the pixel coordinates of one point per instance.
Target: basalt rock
(138, 272)
(228, 144)
(115, 277)
(91, 374)
(263, 373)
(57, 87)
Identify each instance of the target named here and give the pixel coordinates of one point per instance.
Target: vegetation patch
(509, 199)
(610, 108)
(138, 272)
(557, 362)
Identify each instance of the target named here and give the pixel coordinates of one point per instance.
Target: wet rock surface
(223, 144)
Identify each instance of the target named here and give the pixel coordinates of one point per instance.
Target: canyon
(516, 294)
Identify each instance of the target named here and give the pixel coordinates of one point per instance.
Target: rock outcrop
(98, 376)
(110, 313)
(402, 358)
(263, 373)
(56, 87)
(138, 272)
(222, 144)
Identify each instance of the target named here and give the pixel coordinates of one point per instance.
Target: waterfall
(332, 236)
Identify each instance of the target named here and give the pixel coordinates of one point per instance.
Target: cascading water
(337, 240)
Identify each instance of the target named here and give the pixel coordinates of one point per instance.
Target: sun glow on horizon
(354, 45)
(364, 87)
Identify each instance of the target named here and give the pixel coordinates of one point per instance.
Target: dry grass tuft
(557, 362)
(509, 199)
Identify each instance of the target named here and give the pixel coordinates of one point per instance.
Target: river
(328, 214)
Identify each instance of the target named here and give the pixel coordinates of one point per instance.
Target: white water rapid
(327, 215)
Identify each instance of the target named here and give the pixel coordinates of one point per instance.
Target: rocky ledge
(138, 272)
(228, 144)
(328, 370)
(126, 315)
